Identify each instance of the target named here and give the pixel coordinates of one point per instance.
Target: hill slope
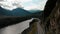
(15, 12)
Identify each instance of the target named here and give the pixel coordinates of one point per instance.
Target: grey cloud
(1, 0)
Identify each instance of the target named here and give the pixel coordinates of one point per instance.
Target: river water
(17, 28)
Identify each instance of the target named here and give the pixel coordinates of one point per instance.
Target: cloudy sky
(25, 4)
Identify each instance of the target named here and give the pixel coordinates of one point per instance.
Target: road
(39, 28)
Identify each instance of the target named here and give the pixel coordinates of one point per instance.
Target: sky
(25, 4)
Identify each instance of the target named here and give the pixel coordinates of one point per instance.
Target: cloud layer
(27, 4)
(39, 5)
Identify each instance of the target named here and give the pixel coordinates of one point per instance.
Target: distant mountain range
(34, 11)
(21, 12)
(15, 12)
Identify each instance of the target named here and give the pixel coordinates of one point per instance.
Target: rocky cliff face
(52, 22)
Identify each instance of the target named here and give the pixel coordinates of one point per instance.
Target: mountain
(20, 12)
(34, 11)
(37, 15)
(15, 12)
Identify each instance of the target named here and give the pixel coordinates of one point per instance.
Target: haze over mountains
(35, 11)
